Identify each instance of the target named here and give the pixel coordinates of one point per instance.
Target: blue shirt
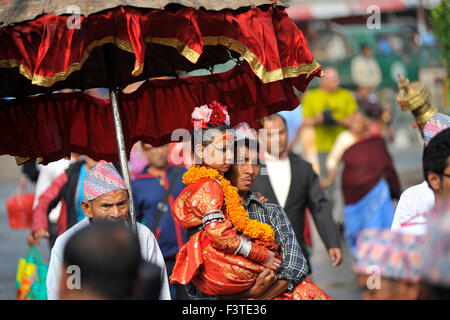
(148, 191)
(80, 192)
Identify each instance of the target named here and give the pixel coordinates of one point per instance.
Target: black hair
(250, 144)
(108, 255)
(370, 110)
(436, 153)
(433, 292)
(201, 135)
(364, 46)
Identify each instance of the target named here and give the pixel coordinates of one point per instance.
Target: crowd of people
(219, 228)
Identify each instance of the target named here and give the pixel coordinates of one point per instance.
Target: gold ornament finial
(403, 83)
(415, 97)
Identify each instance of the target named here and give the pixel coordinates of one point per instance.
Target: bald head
(330, 80)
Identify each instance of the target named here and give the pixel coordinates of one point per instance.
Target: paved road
(338, 282)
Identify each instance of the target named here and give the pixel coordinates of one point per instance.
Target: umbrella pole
(119, 136)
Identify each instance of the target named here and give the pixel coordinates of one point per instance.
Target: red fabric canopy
(52, 125)
(46, 51)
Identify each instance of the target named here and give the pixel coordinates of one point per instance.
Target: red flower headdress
(215, 114)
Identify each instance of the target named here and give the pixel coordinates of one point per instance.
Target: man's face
(112, 206)
(441, 183)
(156, 156)
(446, 180)
(330, 80)
(367, 52)
(246, 169)
(277, 136)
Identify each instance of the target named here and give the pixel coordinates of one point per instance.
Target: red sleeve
(40, 217)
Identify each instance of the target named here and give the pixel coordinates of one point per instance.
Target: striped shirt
(293, 267)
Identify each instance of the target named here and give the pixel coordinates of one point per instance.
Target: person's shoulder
(144, 232)
(141, 184)
(345, 92)
(358, 58)
(272, 208)
(313, 92)
(300, 162)
(64, 237)
(420, 189)
(206, 184)
(181, 169)
(75, 166)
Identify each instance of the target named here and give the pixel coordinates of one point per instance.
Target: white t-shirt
(149, 249)
(279, 171)
(413, 203)
(47, 174)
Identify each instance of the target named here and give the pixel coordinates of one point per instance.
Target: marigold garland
(235, 210)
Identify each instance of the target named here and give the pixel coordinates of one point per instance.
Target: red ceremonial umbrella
(47, 46)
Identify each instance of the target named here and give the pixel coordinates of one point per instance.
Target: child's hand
(272, 261)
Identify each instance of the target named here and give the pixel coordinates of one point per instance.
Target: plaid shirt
(293, 267)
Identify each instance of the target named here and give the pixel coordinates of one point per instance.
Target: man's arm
(278, 288)
(320, 208)
(54, 272)
(265, 280)
(293, 266)
(40, 218)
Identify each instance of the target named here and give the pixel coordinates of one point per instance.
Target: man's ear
(198, 151)
(434, 180)
(87, 208)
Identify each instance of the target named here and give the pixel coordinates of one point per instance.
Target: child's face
(219, 153)
(359, 124)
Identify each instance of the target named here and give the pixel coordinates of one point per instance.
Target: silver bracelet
(244, 248)
(211, 216)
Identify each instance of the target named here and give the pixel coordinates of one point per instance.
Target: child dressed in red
(226, 250)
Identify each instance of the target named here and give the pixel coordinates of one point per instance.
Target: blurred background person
(290, 182)
(106, 269)
(47, 174)
(65, 192)
(365, 69)
(30, 171)
(154, 190)
(388, 265)
(369, 178)
(328, 109)
(137, 161)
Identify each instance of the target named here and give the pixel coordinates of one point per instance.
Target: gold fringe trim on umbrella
(182, 48)
(43, 81)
